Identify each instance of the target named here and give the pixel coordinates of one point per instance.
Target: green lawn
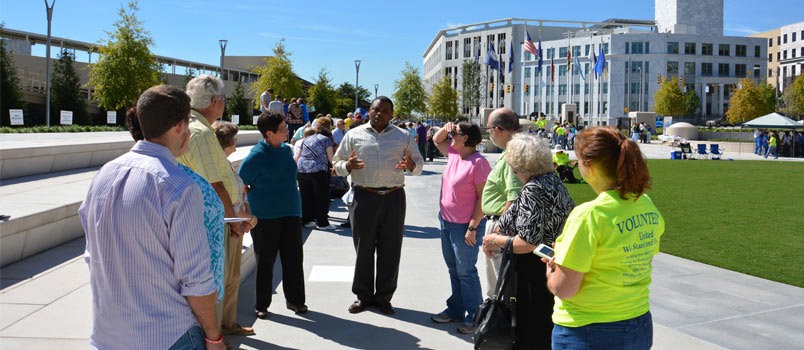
(745, 216)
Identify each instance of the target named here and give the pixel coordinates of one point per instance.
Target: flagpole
(522, 74)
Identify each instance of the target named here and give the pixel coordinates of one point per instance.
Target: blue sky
(332, 34)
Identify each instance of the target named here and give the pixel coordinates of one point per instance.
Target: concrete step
(36, 154)
(44, 209)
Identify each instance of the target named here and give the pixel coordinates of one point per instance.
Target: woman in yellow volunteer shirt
(602, 266)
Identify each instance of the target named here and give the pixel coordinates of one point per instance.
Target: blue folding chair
(702, 151)
(714, 151)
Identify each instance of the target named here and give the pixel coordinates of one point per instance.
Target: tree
(188, 75)
(66, 91)
(669, 100)
(767, 93)
(322, 94)
(409, 94)
(239, 105)
(472, 93)
(747, 103)
(10, 90)
(345, 99)
(126, 67)
(276, 73)
(443, 102)
(793, 98)
(691, 102)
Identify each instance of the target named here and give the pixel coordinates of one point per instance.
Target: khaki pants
(493, 263)
(231, 277)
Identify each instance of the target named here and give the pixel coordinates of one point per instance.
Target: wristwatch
(473, 229)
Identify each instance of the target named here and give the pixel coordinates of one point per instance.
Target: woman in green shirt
(602, 266)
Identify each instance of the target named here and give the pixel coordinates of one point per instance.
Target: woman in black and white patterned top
(537, 216)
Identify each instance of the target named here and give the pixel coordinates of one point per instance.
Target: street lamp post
(357, 79)
(376, 86)
(47, 60)
(223, 43)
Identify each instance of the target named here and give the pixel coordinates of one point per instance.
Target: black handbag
(495, 318)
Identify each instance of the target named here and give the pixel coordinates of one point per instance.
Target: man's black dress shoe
(386, 309)
(358, 306)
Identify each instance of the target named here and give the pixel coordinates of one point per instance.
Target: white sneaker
(327, 228)
(310, 224)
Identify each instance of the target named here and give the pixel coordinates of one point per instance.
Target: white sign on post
(66, 117)
(16, 117)
(254, 119)
(235, 119)
(111, 117)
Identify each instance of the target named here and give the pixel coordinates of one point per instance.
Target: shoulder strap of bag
(505, 267)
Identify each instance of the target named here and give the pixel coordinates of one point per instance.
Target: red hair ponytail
(618, 157)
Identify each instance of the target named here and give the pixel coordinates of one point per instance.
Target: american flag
(528, 45)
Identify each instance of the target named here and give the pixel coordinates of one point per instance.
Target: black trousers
(534, 304)
(281, 235)
(314, 190)
(377, 226)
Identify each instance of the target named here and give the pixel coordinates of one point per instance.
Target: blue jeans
(461, 259)
(192, 340)
(757, 145)
(632, 334)
(772, 149)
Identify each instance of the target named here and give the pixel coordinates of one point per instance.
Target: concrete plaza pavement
(45, 301)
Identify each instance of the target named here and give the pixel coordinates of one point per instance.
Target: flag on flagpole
(540, 55)
(511, 58)
(600, 65)
(552, 71)
(593, 60)
(578, 68)
(528, 45)
(491, 58)
(569, 56)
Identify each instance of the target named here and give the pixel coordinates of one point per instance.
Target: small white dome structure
(685, 130)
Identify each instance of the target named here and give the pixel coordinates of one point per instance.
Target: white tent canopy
(773, 121)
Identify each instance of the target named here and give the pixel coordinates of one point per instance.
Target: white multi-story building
(685, 42)
(791, 55)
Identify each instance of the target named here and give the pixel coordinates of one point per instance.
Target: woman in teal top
(269, 171)
(601, 270)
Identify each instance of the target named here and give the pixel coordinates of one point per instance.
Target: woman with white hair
(536, 217)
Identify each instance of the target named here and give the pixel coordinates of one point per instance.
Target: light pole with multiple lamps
(376, 86)
(223, 43)
(357, 79)
(47, 60)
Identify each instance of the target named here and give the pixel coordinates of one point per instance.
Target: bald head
(504, 118)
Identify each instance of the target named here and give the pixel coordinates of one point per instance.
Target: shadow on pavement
(412, 231)
(423, 319)
(350, 334)
(41, 262)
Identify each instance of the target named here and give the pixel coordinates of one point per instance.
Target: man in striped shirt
(377, 155)
(148, 256)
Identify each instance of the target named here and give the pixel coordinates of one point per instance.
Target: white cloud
(741, 29)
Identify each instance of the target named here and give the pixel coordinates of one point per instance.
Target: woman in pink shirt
(461, 217)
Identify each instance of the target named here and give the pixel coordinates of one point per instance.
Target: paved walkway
(45, 301)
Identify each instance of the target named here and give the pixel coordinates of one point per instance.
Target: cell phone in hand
(544, 251)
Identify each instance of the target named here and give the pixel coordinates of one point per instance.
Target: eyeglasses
(453, 133)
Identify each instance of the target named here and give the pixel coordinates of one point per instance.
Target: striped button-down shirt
(381, 152)
(146, 249)
(206, 157)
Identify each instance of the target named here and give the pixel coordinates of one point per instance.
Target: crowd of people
(173, 212)
(786, 144)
